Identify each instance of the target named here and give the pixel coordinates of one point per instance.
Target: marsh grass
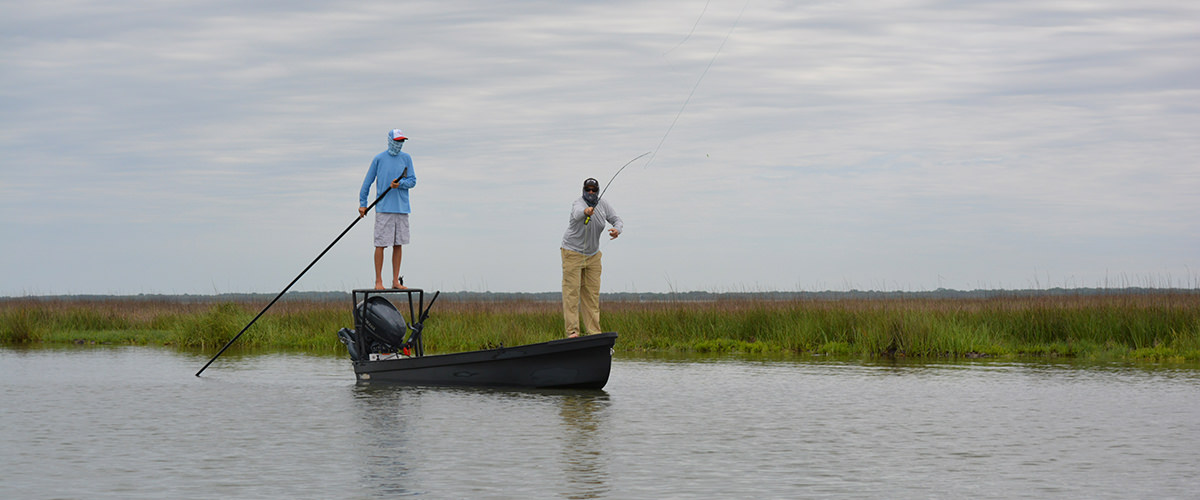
(23, 324)
(1154, 326)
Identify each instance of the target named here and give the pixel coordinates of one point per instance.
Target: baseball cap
(396, 135)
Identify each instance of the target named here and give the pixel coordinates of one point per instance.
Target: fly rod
(589, 218)
(289, 286)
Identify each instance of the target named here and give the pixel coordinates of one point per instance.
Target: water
(133, 422)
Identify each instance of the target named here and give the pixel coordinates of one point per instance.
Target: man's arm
(409, 180)
(365, 190)
(610, 214)
(579, 210)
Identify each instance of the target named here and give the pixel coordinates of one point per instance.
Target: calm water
(133, 422)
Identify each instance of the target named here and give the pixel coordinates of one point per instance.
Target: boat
(386, 348)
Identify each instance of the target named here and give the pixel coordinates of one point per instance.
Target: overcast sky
(212, 147)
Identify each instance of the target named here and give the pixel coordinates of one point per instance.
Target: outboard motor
(381, 322)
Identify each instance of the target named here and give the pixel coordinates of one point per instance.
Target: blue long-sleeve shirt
(384, 169)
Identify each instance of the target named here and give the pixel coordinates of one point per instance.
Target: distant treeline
(694, 296)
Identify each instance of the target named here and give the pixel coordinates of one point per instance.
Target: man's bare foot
(379, 285)
(397, 286)
(573, 335)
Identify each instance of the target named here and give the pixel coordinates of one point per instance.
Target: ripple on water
(133, 422)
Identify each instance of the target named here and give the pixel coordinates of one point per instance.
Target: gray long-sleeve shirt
(585, 239)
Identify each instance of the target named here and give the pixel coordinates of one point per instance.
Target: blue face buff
(394, 147)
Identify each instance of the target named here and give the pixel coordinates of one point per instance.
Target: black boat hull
(580, 363)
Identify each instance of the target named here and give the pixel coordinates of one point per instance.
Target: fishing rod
(589, 218)
(289, 286)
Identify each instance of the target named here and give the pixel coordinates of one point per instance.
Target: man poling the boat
(391, 216)
(581, 258)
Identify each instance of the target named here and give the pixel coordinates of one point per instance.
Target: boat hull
(581, 363)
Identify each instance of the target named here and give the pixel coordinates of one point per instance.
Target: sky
(205, 147)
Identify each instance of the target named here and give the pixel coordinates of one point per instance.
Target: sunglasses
(590, 189)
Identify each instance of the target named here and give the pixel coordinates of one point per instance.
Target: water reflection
(583, 457)
(383, 440)
(415, 440)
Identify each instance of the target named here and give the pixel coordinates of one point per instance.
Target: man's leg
(571, 263)
(397, 253)
(383, 238)
(589, 294)
(379, 268)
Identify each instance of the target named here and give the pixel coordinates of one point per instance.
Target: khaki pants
(581, 283)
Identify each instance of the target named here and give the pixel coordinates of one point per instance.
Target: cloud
(830, 143)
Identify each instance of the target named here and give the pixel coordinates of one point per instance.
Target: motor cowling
(379, 319)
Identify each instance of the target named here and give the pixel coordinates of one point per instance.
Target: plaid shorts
(391, 229)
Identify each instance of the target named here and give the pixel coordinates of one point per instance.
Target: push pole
(289, 286)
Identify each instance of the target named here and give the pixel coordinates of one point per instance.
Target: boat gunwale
(469, 357)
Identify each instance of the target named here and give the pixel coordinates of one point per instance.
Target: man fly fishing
(581, 257)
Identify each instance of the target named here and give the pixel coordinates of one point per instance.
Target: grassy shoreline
(1152, 326)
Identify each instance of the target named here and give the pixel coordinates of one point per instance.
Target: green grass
(1152, 326)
